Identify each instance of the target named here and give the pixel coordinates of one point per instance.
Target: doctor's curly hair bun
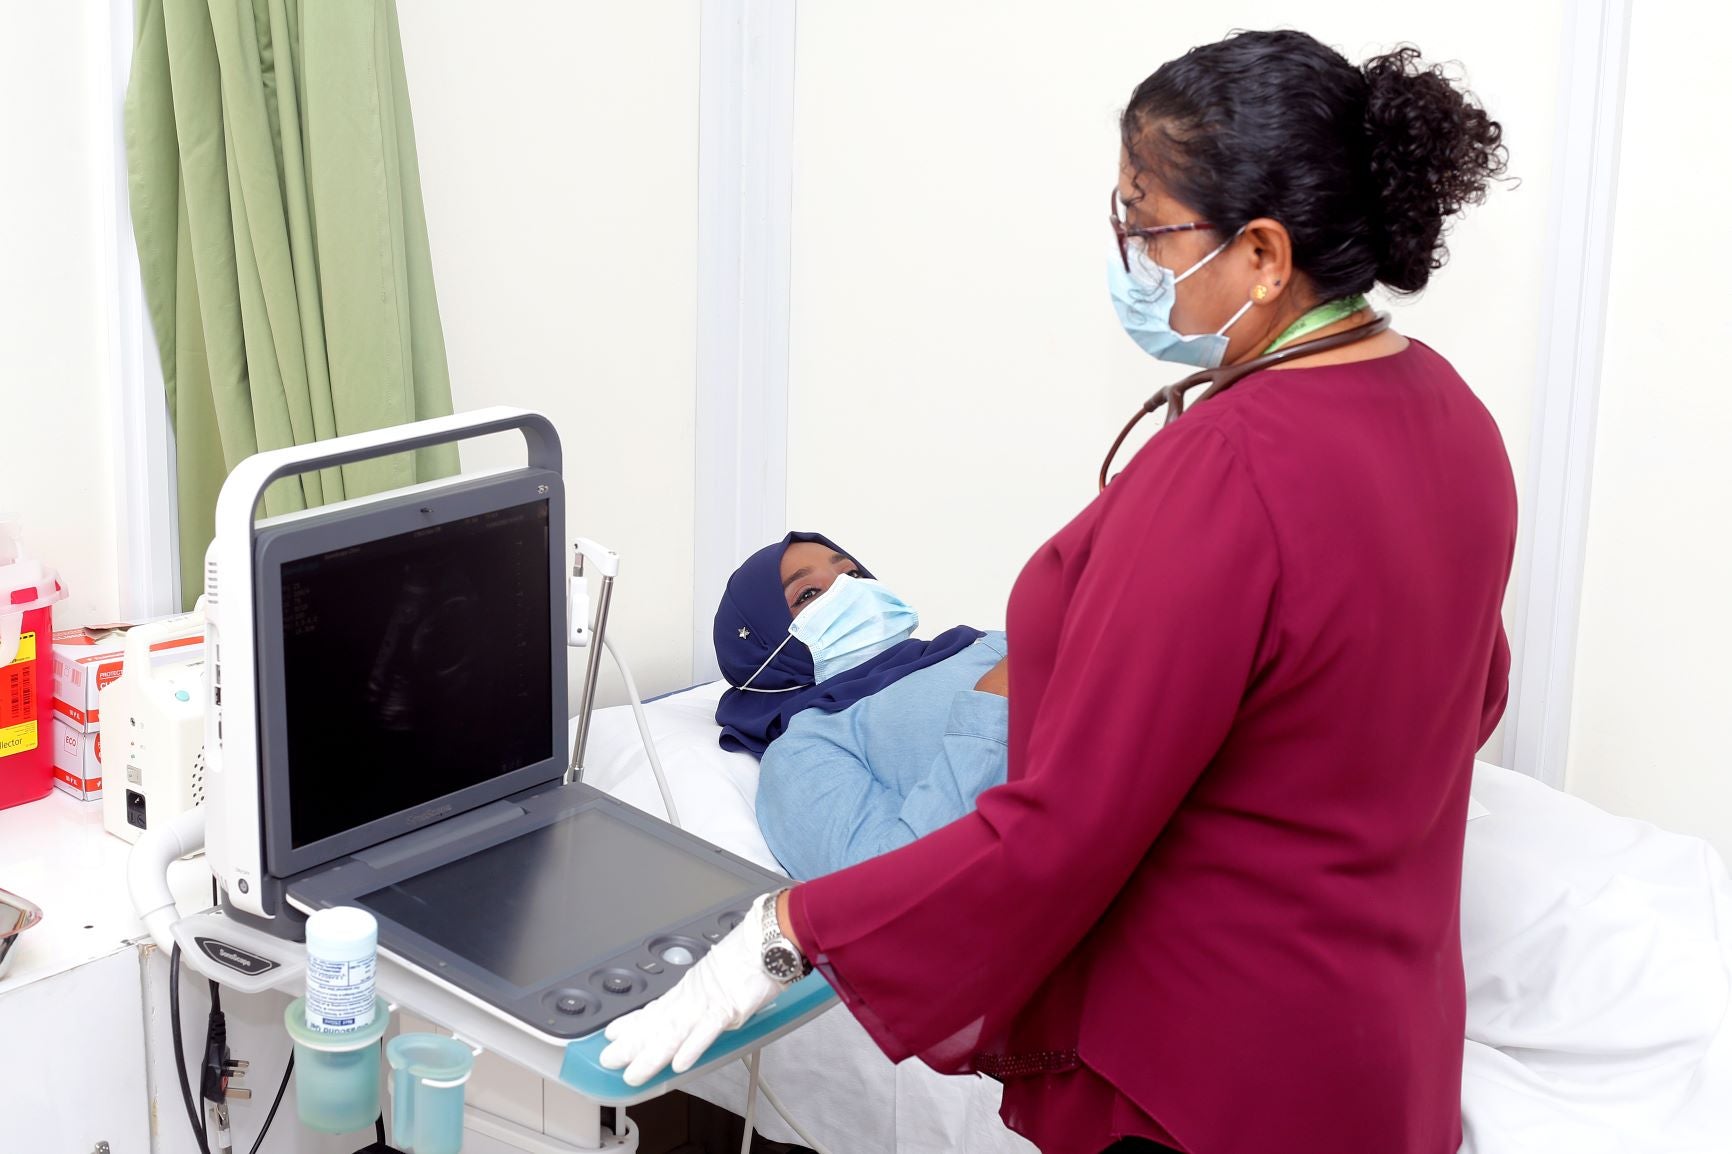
(1364, 166)
(1433, 150)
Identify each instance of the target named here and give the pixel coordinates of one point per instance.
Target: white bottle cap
(342, 933)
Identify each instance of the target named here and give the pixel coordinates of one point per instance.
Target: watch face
(781, 963)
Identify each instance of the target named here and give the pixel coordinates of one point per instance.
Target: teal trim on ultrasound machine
(583, 1071)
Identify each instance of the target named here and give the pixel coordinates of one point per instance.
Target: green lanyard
(1323, 315)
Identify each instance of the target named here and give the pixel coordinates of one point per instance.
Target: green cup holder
(336, 1075)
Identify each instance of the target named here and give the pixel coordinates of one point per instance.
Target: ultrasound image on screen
(533, 908)
(415, 666)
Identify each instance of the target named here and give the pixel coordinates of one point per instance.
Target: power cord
(192, 1116)
(218, 1069)
(754, 1084)
(278, 1101)
(642, 719)
(214, 1075)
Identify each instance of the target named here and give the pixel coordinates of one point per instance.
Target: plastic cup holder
(428, 1073)
(617, 983)
(571, 1002)
(336, 1075)
(678, 950)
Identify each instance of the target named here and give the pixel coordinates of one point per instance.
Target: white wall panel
(956, 368)
(559, 152)
(1651, 720)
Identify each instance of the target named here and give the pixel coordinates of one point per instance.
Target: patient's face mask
(1143, 297)
(852, 622)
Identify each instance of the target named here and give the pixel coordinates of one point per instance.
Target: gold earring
(1260, 293)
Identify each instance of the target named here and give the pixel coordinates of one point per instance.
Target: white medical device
(153, 720)
(387, 729)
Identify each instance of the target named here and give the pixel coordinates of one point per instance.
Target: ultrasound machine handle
(259, 470)
(799, 1003)
(135, 654)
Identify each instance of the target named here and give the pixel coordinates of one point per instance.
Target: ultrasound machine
(386, 728)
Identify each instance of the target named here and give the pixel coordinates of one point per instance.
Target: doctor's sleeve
(936, 946)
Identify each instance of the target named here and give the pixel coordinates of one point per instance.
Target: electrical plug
(220, 1071)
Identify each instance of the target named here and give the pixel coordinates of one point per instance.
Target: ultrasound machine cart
(386, 728)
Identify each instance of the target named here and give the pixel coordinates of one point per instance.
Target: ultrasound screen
(415, 666)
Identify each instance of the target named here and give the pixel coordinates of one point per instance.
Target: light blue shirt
(838, 788)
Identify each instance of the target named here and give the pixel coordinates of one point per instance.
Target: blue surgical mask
(852, 622)
(1143, 298)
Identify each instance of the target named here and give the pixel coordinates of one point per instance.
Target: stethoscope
(1226, 376)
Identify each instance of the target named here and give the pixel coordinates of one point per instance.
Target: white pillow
(715, 791)
(1584, 933)
(1598, 954)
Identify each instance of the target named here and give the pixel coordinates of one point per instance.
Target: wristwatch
(782, 959)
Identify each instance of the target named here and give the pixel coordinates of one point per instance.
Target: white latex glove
(722, 992)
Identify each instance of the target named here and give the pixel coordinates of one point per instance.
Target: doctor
(1214, 908)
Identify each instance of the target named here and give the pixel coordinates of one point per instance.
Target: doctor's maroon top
(1217, 902)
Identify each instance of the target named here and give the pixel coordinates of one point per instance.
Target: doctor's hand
(722, 992)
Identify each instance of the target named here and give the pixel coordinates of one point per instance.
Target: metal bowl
(16, 916)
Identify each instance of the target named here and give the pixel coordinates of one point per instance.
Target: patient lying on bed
(883, 738)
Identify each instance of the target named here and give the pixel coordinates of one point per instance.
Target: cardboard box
(86, 660)
(77, 761)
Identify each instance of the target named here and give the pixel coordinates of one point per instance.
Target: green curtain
(276, 201)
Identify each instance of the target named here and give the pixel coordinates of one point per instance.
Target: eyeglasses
(1124, 232)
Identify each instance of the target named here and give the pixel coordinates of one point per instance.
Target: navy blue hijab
(753, 619)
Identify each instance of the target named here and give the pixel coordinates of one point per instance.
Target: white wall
(1651, 719)
(57, 297)
(559, 151)
(956, 369)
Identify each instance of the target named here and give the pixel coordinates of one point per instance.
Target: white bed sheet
(829, 1074)
(1598, 953)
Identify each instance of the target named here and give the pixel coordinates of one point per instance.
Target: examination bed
(1598, 955)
